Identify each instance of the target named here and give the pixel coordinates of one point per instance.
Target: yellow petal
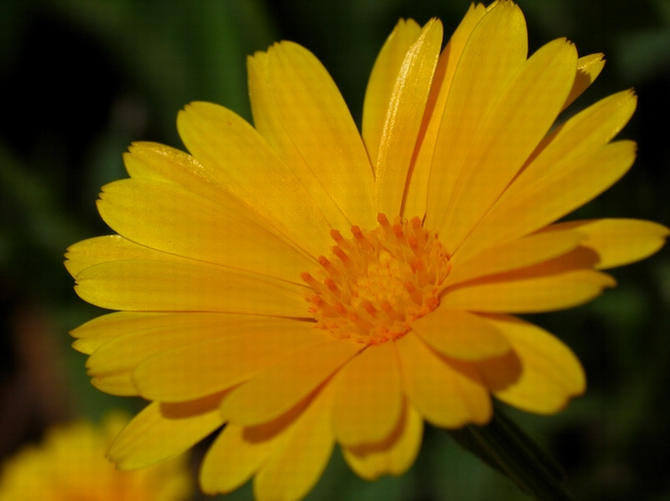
(551, 373)
(242, 451)
(581, 135)
(296, 465)
(521, 116)
(163, 431)
(170, 219)
(98, 250)
(530, 295)
(233, 458)
(588, 69)
(211, 363)
(570, 185)
(382, 81)
(443, 394)
(617, 241)
(519, 253)
(415, 199)
(95, 333)
(268, 123)
(138, 337)
(459, 334)
(368, 403)
(495, 50)
(393, 456)
(157, 162)
(167, 286)
(247, 166)
(278, 389)
(317, 120)
(403, 118)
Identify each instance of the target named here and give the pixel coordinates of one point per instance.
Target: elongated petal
(209, 365)
(107, 248)
(522, 115)
(158, 162)
(100, 330)
(250, 169)
(581, 135)
(166, 286)
(241, 451)
(137, 337)
(404, 117)
(459, 334)
(368, 403)
(551, 373)
(588, 69)
(143, 442)
(444, 395)
(417, 190)
(317, 120)
(395, 455)
(570, 185)
(232, 459)
(494, 52)
(513, 255)
(168, 218)
(382, 81)
(616, 241)
(530, 295)
(297, 464)
(278, 389)
(269, 124)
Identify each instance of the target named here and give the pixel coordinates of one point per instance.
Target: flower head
(306, 284)
(70, 464)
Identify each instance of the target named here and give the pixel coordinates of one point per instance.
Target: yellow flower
(306, 285)
(70, 465)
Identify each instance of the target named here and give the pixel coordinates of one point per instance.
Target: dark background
(80, 80)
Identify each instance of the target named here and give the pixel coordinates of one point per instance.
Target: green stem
(506, 448)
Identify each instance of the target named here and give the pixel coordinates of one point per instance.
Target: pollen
(375, 283)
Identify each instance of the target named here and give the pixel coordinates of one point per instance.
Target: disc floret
(376, 283)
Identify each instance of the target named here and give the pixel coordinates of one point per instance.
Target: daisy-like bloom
(70, 465)
(306, 284)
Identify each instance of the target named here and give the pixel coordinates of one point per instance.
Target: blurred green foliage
(80, 80)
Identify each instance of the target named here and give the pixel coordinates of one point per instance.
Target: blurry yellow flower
(307, 286)
(70, 465)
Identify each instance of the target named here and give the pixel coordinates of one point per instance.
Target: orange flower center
(376, 283)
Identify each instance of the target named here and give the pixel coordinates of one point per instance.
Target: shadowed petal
(295, 466)
(392, 456)
(459, 334)
(616, 241)
(211, 363)
(368, 401)
(276, 390)
(551, 373)
(444, 395)
(143, 441)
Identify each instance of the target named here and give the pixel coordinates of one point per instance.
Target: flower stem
(508, 449)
